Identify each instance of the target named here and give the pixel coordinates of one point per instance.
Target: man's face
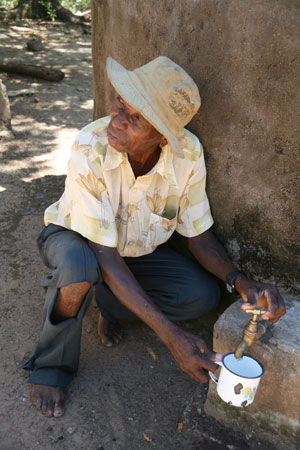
(129, 132)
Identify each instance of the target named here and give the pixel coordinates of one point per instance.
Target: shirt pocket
(160, 229)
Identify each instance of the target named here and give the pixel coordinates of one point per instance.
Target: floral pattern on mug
(249, 393)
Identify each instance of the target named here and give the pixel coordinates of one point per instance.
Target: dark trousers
(177, 285)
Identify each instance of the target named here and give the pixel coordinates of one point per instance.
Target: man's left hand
(264, 295)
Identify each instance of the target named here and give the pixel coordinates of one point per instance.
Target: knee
(70, 300)
(78, 265)
(75, 292)
(208, 299)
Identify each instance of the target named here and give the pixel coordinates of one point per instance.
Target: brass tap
(252, 331)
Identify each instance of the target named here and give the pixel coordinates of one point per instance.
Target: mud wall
(244, 56)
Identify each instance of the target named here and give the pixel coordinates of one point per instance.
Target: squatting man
(134, 178)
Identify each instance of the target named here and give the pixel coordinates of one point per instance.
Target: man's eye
(120, 100)
(137, 118)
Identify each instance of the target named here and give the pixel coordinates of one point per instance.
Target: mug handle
(212, 376)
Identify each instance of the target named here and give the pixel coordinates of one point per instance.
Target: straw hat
(163, 93)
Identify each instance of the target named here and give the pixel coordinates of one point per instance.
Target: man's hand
(193, 356)
(264, 295)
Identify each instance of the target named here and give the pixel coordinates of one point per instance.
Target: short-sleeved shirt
(104, 202)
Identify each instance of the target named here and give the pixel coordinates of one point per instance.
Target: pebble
(28, 212)
(39, 195)
(71, 430)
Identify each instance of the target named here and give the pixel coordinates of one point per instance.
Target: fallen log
(31, 70)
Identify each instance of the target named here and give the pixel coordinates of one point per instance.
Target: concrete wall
(244, 56)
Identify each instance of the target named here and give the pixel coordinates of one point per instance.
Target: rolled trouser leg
(56, 358)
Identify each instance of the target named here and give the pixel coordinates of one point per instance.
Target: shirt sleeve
(84, 206)
(194, 215)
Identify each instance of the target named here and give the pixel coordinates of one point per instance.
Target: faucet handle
(257, 311)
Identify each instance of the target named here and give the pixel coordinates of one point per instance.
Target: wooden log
(31, 70)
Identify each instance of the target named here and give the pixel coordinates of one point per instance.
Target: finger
(277, 306)
(248, 305)
(272, 305)
(213, 356)
(203, 376)
(216, 356)
(208, 364)
(201, 345)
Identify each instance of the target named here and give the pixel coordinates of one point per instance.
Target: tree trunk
(34, 9)
(4, 109)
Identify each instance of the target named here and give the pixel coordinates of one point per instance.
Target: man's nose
(120, 120)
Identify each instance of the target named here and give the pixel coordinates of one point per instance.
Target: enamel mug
(238, 380)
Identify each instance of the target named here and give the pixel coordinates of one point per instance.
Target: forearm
(128, 291)
(210, 253)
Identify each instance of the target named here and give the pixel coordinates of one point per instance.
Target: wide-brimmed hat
(162, 92)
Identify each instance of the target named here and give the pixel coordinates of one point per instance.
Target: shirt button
(132, 219)
(130, 242)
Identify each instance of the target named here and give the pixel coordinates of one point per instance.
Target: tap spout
(239, 351)
(252, 332)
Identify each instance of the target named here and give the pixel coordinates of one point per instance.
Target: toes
(59, 408)
(49, 412)
(44, 406)
(116, 338)
(106, 341)
(38, 402)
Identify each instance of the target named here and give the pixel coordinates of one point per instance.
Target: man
(133, 179)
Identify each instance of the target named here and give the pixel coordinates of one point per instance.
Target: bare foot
(109, 333)
(49, 400)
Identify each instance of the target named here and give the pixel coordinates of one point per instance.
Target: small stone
(71, 430)
(39, 195)
(80, 89)
(36, 100)
(35, 44)
(27, 212)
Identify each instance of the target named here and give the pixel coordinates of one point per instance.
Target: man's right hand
(190, 352)
(193, 356)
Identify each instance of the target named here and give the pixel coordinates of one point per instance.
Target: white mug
(239, 379)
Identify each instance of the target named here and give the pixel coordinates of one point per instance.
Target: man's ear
(163, 141)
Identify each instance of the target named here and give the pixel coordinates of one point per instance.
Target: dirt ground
(132, 396)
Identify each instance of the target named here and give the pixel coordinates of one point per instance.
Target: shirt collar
(113, 158)
(164, 166)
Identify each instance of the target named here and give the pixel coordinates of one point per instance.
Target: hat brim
(128, 87)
